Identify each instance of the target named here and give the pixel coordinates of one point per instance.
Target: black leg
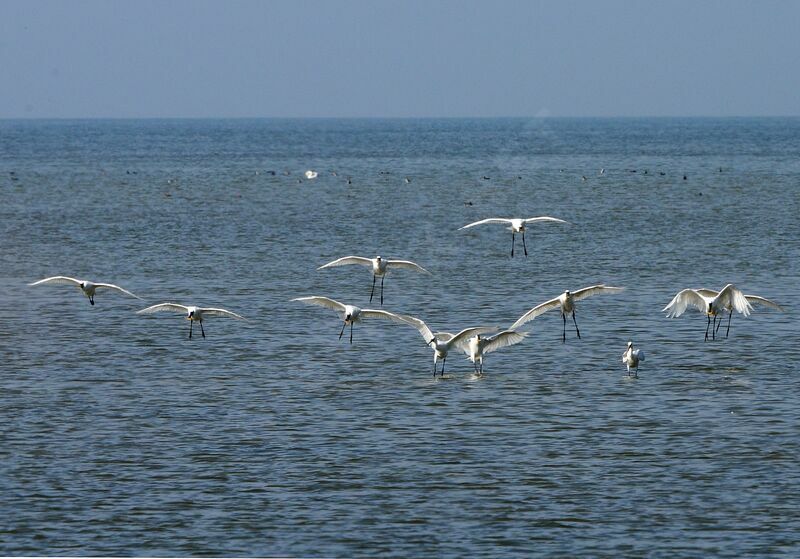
(351, 332)
(708, 323)
(576, 325)
(382, 278)
(713, 330)
(730, 316)
(342, 332)
(371, 293)
(564, 332)
(191, 323)
(91, 299)
(443, 362)
(201, 329)
(523, 245)
(513, 238)
(434, 367)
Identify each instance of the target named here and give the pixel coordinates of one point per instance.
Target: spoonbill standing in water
(89, 288)
(193, 314)
(479, 346)
(443, 342)
(566, 303)
(380, 267)
(631, 358)
(713, 303)
(350, 313)
(516, 225)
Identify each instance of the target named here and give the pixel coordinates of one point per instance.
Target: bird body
(516, 225)
(193, 313)
(87, 287)
(480, 345)
(350, 314)
(566, 304)
(631, 358)
(443, 342)
(380, 267)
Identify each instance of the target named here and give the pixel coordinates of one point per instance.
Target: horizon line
(508, 117)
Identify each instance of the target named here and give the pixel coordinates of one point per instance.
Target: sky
(371, 58)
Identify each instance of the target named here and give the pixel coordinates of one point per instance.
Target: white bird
(89, 288)
(193, 314)
(516, 225)
(632, 357)
(380, 267)
(350, 313)
(566, 303)
(713, 303)
(443, 342)
(311, 174)
(478, 346)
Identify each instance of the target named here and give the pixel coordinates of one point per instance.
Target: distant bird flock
(475, 341)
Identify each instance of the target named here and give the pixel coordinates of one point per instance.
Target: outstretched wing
(220, 312)
(594, 290)
(543, 218)
(762, 301)
(174, 307)
(115, 288)
(345, 260)
(322, 302)
(638, 354)
(407, 265)
(386, 315)
(503, 339)
(730, 297)
(57, 279)
(683, 300)
(489, 220)
(423, 329)
(464, 336)
(536, 311)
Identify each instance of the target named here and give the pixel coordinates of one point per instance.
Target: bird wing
(376, 313)
(594, 290)
(423, 329)
(536, 311)
(464, 336)
(488, 220)
(730, 297)
(164, 307)
(345, 260)
(639, 354)
(683, 300)
(503, 339)
(407, 265)
(763, 301)
(116, 288)
(219, 312)
(322, 302)
(543, 218)
(443, 336)
(57, 279)
(708, 293)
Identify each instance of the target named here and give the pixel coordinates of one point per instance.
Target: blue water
(119, 436)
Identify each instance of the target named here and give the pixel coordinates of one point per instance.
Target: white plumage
(478, 346)
(632, 357)
(89, 288)
(350, 314)
(193, 314)
(516, 225)
(380, 267)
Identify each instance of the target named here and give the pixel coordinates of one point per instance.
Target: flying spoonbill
(478, 346)
(443, 342)
(89, 288)
(516, 225)
(193, 314)
(566, 303)
(350, 313)
(631, 358)
(380, 267)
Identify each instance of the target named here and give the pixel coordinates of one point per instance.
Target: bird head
(630, 344)
(82, 284)
(378, 258)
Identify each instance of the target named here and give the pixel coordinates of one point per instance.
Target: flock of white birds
(476, 341)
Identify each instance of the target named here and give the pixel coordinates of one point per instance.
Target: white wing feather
(503, 339)
(536, 311)
(322, 302)
(594, 290)
(732, 297)
(543, 218)
(375, 313)
(345, 260)
(116, 288)
(423, 329)
(220, 312)
(406, 265)
(683, 300)
(58, 279)
(164, 307)
(464, 336)
(763, 301)
(488, 220)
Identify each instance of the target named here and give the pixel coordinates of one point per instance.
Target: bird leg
(713, 330)
(371, 293)
(91, 299)
(443, 362)
(708, 323)
(730, 316)
(351, 332)
(513, 238)
(434, 366)
(382, 278)
(201, 329)
(191, 323)
(523, 244)
(342, 332)
(564, 332)
(576, 325)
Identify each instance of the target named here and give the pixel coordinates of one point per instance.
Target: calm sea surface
(120, 436)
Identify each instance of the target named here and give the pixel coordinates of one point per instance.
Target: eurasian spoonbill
(350, 313)
(89, 288)
(516, 225)
(631, 358)
(380, 267)
(193, 314)
(478, 346)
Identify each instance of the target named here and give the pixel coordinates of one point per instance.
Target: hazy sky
(402, 58)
